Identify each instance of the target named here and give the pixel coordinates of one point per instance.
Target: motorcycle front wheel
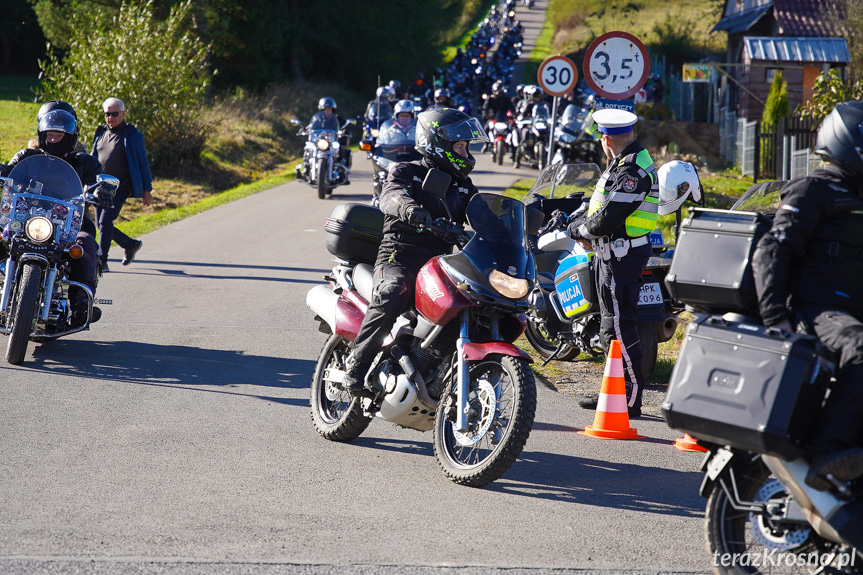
(541, 156)
(499, 151)
(23, 311)
(336, 414)
(502, 400)
(322, 178)
(545, 344)
(757, 540)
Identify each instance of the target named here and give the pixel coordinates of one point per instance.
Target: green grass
(18, 113)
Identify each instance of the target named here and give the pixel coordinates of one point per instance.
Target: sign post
(557, 76)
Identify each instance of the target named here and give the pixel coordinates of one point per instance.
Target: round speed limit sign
(557, 75)
(616, 65)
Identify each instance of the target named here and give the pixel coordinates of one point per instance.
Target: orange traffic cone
(688, 443)
(612, 418)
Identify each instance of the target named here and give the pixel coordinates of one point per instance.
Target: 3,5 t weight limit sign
(557, 75)
(616, 65)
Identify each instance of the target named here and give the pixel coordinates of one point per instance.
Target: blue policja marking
(571, 296)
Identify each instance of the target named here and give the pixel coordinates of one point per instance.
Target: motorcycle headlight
(323, 145)
(507, 286)
(39, 229)
(567, 138)
(375, 132)
(500, 126)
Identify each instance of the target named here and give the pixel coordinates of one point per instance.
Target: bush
(155, 67)
(830, 90)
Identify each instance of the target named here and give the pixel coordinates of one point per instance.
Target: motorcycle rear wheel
(322, 178)
(23, 312)
(545, 345)
(336, 414)
(649, 348)
(728, 531)
(502, 395)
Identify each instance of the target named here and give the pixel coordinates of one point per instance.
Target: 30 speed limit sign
(557, 75)
(616, 65)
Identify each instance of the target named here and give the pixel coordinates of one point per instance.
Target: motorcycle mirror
(437, 183)
(108, 180)
(296, 122)
(535, 219)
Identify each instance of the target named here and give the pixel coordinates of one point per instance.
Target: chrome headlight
(323, 145)
(509, 287)
(39, 229)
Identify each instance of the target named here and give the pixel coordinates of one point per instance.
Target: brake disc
(766, 533)
(485, 404)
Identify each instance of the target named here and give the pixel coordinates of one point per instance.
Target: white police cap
(610, 121)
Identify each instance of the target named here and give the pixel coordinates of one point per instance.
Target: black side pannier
(712, 269)
(354, 232)
(747, 386)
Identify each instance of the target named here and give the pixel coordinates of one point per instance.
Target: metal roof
(742, 21)
(802, 17)
(785, 49)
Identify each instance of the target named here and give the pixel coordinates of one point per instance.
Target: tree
(830, 90)
(155, 66)
(845, 20)
(777, 105)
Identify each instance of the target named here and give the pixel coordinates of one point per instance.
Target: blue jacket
(136, 155)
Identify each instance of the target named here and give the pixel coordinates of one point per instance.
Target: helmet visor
(57, 121)
(468, 130)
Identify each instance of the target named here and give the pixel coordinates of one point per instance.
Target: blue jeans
(107, 231)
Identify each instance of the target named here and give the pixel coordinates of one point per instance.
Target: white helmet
(677, 181)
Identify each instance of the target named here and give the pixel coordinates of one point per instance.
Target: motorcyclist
(443, 138)
(532, 96)
(519, 96)
(405, 117)
(442, 97)
(419, 88)
(57, 128)
(396, 88)
(497, 104)
(327, 119)
(808, 271)
(378, 110)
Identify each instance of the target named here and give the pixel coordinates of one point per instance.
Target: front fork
(463, 370)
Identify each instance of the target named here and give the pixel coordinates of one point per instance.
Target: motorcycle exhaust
(667, 328)
(323, 302)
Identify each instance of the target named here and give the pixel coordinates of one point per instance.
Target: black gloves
(104, 197)
(418, 216)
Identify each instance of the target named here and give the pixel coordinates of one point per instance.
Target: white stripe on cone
(613, 367)
(612, 403)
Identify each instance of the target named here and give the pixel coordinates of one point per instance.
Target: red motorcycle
(449, 364)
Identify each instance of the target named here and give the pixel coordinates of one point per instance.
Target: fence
(780, 152)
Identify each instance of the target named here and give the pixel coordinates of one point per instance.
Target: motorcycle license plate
(650, 294)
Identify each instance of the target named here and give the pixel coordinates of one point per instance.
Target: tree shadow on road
(571, 479)
(176, 366)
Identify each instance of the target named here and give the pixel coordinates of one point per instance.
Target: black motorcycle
(393, 144)
(533, 148)
(41, 210)
(574, 142)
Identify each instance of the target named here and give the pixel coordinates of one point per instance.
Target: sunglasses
(112, 114)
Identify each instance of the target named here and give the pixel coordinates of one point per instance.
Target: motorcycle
(449, 364)
(500, 130)
(532, 148)
(322, 166)
(564, 318)
(392, 146)
(41, 210)
(573, 143)
(753, 401)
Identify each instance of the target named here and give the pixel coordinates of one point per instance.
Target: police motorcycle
(41, 210)
(751, 396)
(532, 150)
(393, 145)
(575, 141)
(321, 166)
(564, 318)
(450, 364)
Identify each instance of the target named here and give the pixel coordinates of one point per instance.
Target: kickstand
(560, 347)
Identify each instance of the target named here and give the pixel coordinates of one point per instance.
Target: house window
(770, 73)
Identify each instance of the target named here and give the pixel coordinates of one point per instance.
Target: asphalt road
(174, 437)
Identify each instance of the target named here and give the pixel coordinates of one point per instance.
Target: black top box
(354, 232)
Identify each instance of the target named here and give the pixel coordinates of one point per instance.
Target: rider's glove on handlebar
(419, 217)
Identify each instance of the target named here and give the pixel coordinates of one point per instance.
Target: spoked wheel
(337, 415)
(23, 311)
(502, 399)
(546, 344)
(761, 543)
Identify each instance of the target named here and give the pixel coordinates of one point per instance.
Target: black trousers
(841, 421)
(107, 231)
(618, 283)
(392, 294)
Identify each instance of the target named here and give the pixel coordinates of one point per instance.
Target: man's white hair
(113, 102)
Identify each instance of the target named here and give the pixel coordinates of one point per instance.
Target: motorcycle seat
(364, 280)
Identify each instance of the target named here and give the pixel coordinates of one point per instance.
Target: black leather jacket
(403, 190)
(813, 253)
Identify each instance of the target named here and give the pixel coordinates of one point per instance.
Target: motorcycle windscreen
(394, 144)
(500, 242)
(540, 110)
(561, 180)
(762, 198)
(46, 176)
(53, 191)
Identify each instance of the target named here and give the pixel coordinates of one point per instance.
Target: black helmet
(326, 103)
(438, 129)
(840, 138)
(442, 93)
(57, 116)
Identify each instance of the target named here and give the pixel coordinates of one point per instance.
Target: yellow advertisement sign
(696, 72)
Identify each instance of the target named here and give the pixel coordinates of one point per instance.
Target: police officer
(809, 269)
(621, 214)
(443, 136)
